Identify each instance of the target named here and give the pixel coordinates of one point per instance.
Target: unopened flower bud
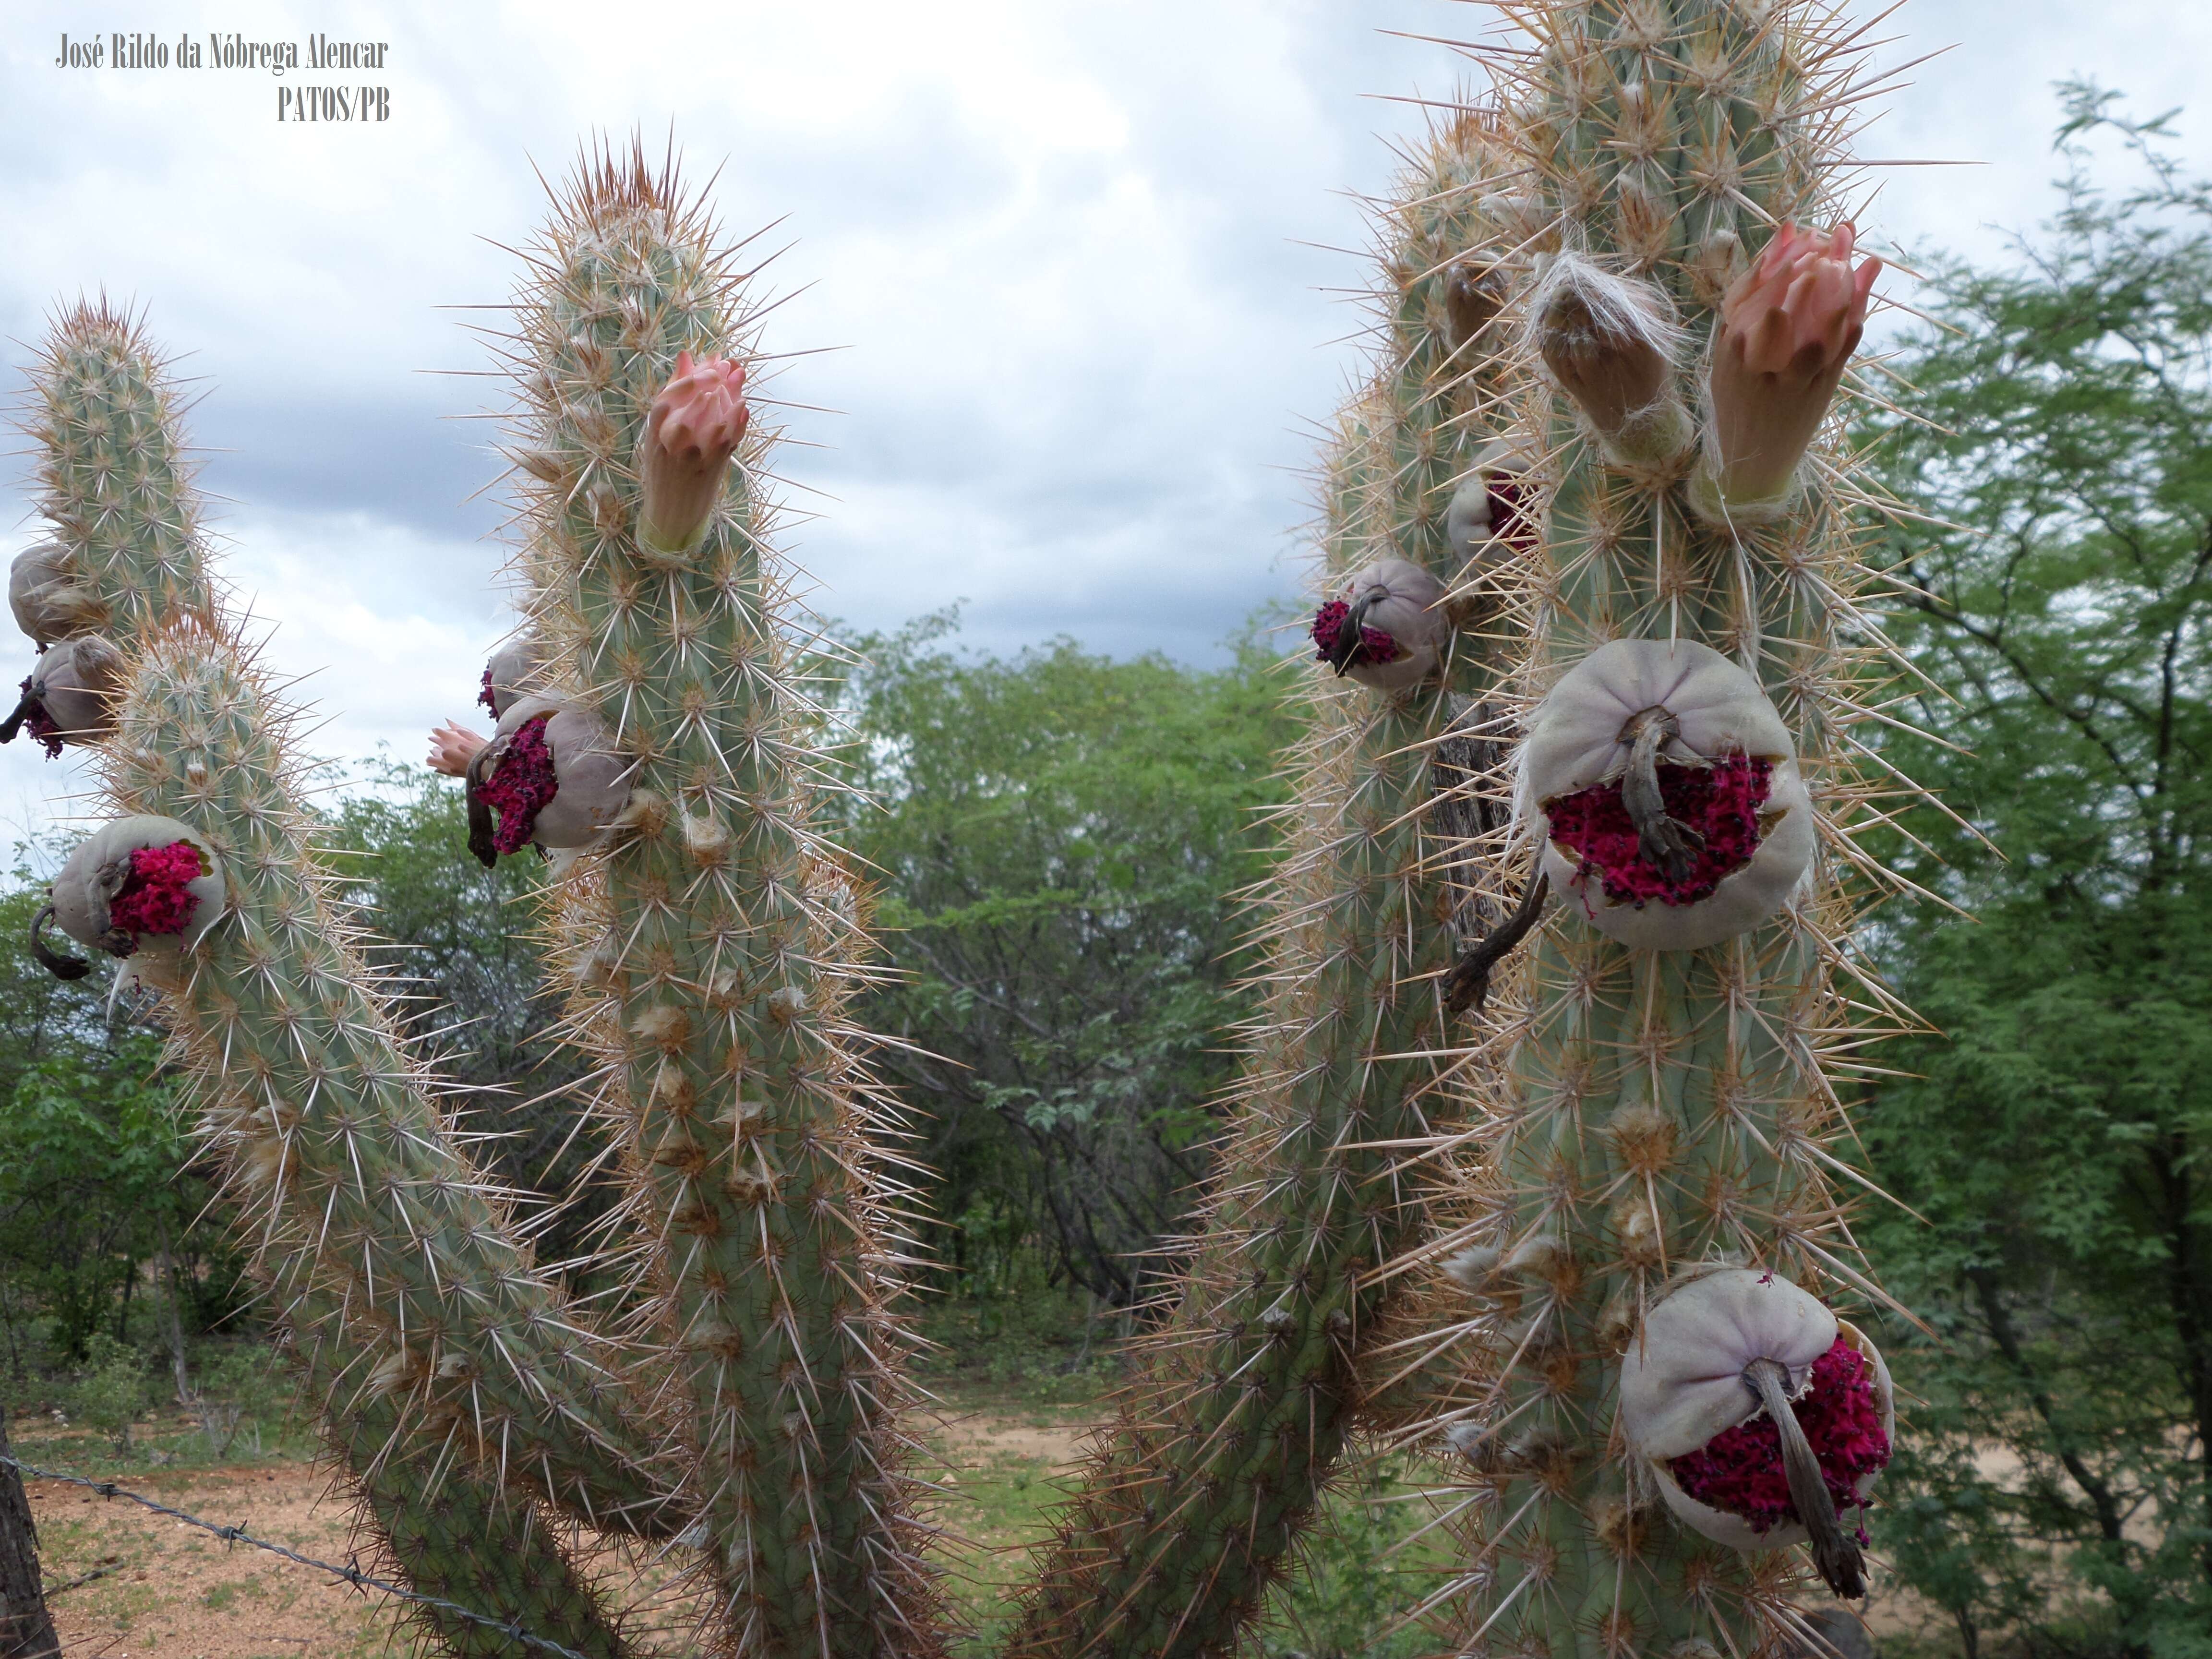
(695, 426)
(1787, 331)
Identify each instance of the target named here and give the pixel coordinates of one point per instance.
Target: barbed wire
(510, 1628)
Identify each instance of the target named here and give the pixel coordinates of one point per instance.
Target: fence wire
(510, 1628)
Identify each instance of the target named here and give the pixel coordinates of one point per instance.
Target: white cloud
(1065, 250)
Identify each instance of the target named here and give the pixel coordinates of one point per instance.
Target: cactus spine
(1656, 1109)
(732, 932)
(1204, 1485)
(444, 1361)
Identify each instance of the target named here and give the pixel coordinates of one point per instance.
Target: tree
(1062, 839)
(2057, 1134)
(93, 1176)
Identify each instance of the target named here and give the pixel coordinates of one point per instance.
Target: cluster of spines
(1651, 1111)
(754, 1141)
(1267, 1359)
(443, 1364)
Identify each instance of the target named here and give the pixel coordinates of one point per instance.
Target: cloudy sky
(1074, 268)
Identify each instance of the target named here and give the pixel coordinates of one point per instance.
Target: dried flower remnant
(1740, 1470)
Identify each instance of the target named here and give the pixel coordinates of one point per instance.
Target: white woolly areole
(1639, 310)
(1576, 741)
(1408, 608)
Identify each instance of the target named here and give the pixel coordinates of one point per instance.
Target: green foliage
(112, 1392)
(2056, 1135)
(1063, 839)
(93, 1168)
(1349, 1599)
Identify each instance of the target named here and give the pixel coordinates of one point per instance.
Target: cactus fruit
(720, 947)
(1387, 628)
(1202, 1489)
(1761, 1415)
(142, 884)
(68, 697)
(49, 604)
(550, 777)
(411, 1303)
(1663, 1093)
(1662, 789)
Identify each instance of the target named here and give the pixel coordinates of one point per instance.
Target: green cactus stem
(731, 934)
(1659, 1109)
(1198, 1494)
(394, 1271)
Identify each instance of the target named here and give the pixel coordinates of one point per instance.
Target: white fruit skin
(1574, 741)
(594, 780)
(1734, 1530)
(76, 914)
(1681, 1380)
(515, 673)
(49, 604)
(1410, 613)
(1467, 529)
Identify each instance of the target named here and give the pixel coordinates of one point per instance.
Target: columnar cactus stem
(733, 928)
(1664, 1107)
(1207, 1481)
(428, 1340)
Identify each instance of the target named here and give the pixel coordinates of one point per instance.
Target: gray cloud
(1075, 260)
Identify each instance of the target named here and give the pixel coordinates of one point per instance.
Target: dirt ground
(134, 1582)
(152, 1585)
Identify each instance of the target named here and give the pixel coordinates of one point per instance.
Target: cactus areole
(1664, 789)
(1764, 1417)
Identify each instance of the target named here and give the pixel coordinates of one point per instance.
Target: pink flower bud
(694, 428)
(1787, 328)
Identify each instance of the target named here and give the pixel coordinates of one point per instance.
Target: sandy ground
(168, 1588)
(157, 1587)
(162, 1587)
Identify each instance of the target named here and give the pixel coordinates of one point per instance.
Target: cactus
(731, 931)
(1198, 1493)
(415, 1312)
(1648, 1109)
(1657, 1110)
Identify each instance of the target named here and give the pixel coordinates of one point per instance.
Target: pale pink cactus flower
(452, 746)
(1787, 328)
(695, 426)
